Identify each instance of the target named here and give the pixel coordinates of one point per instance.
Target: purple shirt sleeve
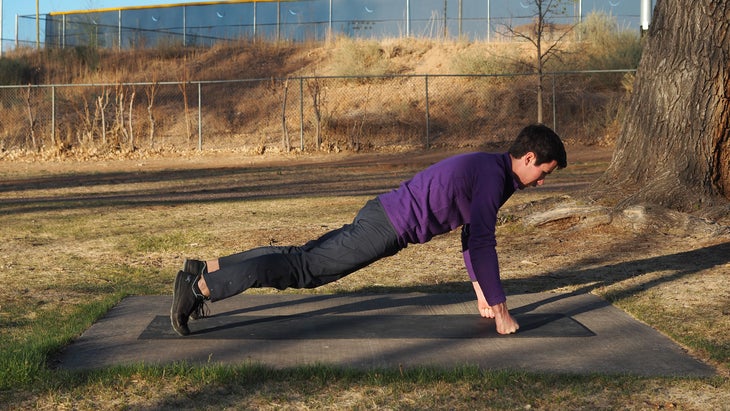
(464, 189)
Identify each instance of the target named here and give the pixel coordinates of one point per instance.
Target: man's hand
(484, 309)
(505, 323)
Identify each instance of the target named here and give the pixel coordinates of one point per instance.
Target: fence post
(278, 20)
(200, 118)
(301, 114)
(555, 121)
(428, 118)
(53, 114)
(119, 28)
(408, 18)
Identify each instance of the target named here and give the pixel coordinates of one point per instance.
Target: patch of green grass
(146, 243)
(316, 387)
(717, 351)
(24, 357)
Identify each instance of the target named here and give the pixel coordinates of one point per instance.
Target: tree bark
(674, 145)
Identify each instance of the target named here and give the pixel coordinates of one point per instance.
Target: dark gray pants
(336, 254)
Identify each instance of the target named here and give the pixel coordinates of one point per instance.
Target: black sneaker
(197, 268)
(184, 302)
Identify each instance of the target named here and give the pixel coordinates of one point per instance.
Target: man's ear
(528, 157)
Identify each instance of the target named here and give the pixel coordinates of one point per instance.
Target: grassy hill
(356, 95)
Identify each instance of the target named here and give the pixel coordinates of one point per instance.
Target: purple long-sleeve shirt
(464, 189)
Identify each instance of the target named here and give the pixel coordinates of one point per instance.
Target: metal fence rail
(303, 113)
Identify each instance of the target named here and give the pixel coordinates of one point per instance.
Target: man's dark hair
(541, 140)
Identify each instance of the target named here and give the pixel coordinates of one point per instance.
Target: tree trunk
(674, 145)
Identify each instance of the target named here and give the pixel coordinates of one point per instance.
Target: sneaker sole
(181, 329)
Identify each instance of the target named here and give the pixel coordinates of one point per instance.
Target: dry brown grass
(356, 115)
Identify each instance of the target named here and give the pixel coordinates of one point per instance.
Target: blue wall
(206, 24)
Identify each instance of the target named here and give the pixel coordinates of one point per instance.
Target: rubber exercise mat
(306, 327)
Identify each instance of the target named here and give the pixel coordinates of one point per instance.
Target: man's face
(531, 174)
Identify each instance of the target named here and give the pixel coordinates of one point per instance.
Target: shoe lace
(201, 310)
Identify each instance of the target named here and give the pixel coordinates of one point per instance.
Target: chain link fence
(305, 113)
